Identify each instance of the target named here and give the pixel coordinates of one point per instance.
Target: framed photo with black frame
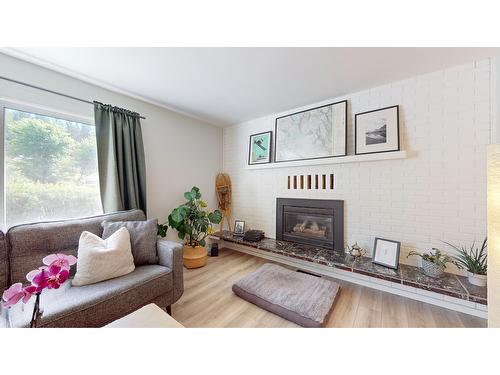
(386, 253)
(376, 131)
(314, 133)
(239, 228)
(259, 148)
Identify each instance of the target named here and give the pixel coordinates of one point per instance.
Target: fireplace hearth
(317, 222)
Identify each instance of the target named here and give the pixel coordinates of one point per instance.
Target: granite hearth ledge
(450, 284)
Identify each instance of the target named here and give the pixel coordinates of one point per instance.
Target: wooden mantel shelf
(333, 160)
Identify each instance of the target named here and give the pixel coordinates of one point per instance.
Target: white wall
(437, 193)
(180, 151)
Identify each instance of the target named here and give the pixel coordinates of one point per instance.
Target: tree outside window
(50, 168)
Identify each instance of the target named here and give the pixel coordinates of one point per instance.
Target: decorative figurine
(355, 251)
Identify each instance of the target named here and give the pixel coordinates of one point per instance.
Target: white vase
(475, 279)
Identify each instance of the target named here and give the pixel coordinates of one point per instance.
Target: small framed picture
(239, 228)
(386, 253)
(376, 131)
(259, 149)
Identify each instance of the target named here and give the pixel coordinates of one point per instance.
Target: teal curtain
(120, 158)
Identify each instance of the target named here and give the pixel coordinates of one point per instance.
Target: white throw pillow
(100, 260)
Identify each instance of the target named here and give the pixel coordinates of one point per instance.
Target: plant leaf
(162, 230)
(215, 217)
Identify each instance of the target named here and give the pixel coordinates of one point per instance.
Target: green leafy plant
(436, 256)
(192, 221)
(473, 259)
(162, 229)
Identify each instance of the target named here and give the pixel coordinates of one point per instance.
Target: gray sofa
(24, 246)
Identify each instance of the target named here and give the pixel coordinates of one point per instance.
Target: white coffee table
(149, 316)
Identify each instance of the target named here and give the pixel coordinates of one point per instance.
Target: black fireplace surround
(317, 222)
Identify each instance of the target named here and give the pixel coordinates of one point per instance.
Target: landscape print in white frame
(314, 133)
(376, 131)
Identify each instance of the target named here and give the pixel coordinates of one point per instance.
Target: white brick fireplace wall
(437, 193)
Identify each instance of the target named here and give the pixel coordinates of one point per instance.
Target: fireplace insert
(317, 222)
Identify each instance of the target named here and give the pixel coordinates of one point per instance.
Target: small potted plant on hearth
(193, 224)
(434, 262)
(474, 260)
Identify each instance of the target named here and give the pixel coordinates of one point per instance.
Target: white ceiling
(225, 86)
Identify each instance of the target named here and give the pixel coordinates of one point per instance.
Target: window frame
(17, 105)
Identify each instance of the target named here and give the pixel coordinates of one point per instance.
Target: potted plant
(193, 224)
(474, 260)
(433, 262)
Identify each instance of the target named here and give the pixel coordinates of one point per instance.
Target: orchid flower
(51, 276)
(62, 260)
(39, 278)
(56, 276)
(15, 293)
(28, 292)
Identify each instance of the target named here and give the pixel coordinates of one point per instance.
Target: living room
(169, 185)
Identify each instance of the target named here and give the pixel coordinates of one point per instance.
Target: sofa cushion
(100, 260)
(29, 243)
(4, 264)
(143, 235)
(98, 304)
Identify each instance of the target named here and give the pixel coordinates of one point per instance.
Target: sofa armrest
(170, 255)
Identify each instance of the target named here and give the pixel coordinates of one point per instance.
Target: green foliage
(51, 168)
(437, 257)
(41, 201)
(36, 146)
(192, 222)
(472, 259)
(85, 156)
(162, 230)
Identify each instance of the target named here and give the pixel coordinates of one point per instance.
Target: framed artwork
(239, 228)
(386, 253)
(315, 133)
(376, 131)
(259, 149)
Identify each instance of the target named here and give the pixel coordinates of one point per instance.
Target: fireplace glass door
(315, 222)
(313, 226)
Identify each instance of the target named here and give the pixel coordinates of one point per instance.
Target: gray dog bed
(303, 299)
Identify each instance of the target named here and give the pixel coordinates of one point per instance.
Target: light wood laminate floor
(208, 301)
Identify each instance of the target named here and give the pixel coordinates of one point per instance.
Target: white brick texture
(438, 193)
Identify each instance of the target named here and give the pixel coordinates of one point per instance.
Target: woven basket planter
(431, 269)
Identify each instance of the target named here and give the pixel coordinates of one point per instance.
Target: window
(50, 168)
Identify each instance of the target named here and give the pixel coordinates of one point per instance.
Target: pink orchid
(51, 276)
(15, 293)
(39, 278)
(56, 276)
(28, 292)
(62, 260)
